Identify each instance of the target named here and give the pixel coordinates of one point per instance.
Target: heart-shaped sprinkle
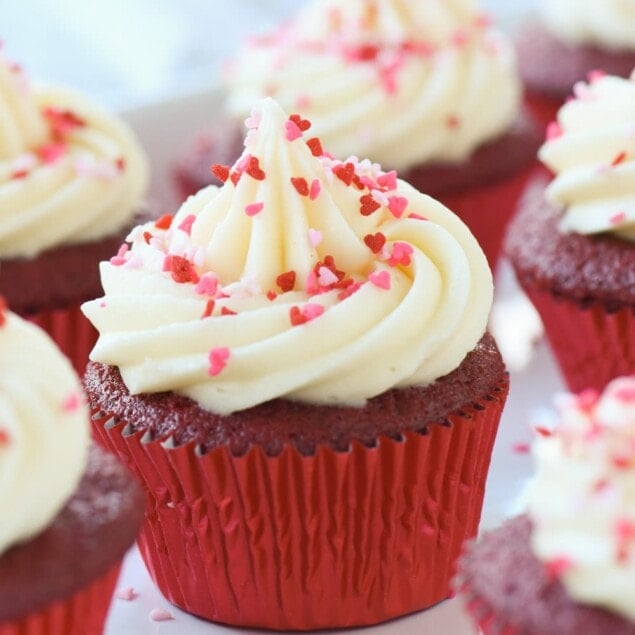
(217, 359)
(315, 237)
(292, 131)
(315, 189)
(186, 224)
(302, 124)
(375, 242)
(368, 205)
(221, 172)
(397, 205)
(380, 279)
(345, 172)
(253, 208)
(315, 146)
(300, 184)
(254, 170)
(286, 281)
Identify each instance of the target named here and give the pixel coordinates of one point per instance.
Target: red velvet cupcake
(572, 244)
(569, 40)
(297, 368)
(567, 566)
(69, 511)
(71, 180)
(426, 88)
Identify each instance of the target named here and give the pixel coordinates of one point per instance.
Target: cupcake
(571, 243)
(429, 89)
(70, 510)
(297, 368)
(566, 41)
(566, 566)
(71, 179)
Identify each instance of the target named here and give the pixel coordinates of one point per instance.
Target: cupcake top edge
(591, 151)
(609, 24)
(401, 82)
(303, 276)
(69, 171)
(44, 430)
(582, 498)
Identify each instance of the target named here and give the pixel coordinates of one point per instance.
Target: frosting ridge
(44, 430)
(582, 498)
(401, 82)
(303, 277)
(69, 171)
(591, 150)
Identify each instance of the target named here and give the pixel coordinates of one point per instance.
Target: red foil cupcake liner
(591, 345)
(299, 542)
(487, 209)
(70, 330)
(82, 614)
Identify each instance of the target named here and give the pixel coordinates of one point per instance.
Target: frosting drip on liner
(69, 172)
(582, 498)
(609, 24)
(302, 277)
(591, 150)
(402, 82)
(44, 431)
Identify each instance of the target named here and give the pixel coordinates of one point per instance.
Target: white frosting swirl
(69, 172)
(582, 499)
(421, 304)
(591, 150)
(607, 23)
(402, 82)
(44, 430)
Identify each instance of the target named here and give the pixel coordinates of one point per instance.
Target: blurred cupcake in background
(566, 566)
(297, 367)
(69, 511)
(569, 39)
(427, 88)
(572, 243)
(72, 178)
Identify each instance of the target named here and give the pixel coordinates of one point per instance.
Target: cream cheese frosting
(582, 499)
(609, 24)
(69, 171)
(591, 150)
(44, 430)
(401, 82)
(302, 277)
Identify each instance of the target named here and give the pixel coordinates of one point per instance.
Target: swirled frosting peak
(44, 430)
(402, 82)
(69, 172)
(582, 499)
(591, 150)
(609, 24)
(302, 277)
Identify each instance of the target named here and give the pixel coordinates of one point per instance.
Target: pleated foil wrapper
(296, 542)
(591, 345)
(84, 613)
(70, 330)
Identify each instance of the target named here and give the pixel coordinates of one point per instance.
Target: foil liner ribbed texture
(70, 330)
(305, 542)
(487, 209)
(592, 345)
(84, 613)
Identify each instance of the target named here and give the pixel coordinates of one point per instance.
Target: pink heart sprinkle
(388, 180)
(311, 311)
(326, 277)
(71, 403)
(126, 593)
(160, 615)
(207, 285)
(217, 360)
(187, 223)
(292, 131)
(397, 205)
(380, 279)
(120, 258)
(315, 237)
(316, 188)
(253, 208)
(253, 121)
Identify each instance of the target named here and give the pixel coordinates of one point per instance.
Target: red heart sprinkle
(254, 170)
(296, 317)
(286, 281)
(221, 172)
(369, 205)
(345, 172)
(303, 124)
(315, 145)
(301, 185)
(375, 242)
(163, 222)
